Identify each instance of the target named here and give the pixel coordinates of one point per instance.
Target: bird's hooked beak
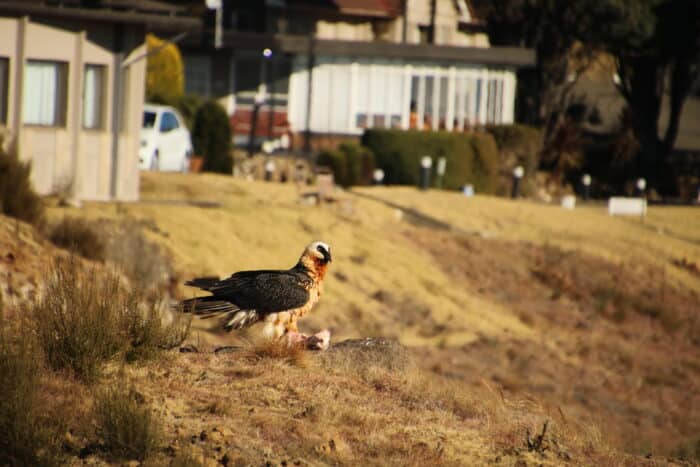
(327, 256)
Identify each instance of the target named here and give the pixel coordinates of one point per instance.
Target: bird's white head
(319, 251)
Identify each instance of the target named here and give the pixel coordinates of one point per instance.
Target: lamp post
(426, 164)
(518, 173)
(586, 182)
(259, 100)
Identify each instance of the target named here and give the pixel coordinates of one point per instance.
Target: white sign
(619, 206)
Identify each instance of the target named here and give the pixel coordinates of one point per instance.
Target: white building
(337, 67)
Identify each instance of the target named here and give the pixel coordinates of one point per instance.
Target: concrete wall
(66, 156)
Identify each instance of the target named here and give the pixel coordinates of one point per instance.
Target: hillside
(509, 315)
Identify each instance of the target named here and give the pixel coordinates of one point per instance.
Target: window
(44, 100)
(93, 97)
(4, 83)
(149, 120)
(168, 122)
(197, 75)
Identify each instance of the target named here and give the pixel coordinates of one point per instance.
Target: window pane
(41, 96)
(92, 96)
(4, 70)
(428, 102)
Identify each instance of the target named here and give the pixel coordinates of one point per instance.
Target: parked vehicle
(165, 140)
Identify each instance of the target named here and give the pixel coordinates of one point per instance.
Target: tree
(164, 71)
(656, 44)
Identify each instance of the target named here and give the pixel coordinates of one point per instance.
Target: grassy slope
(382, 284)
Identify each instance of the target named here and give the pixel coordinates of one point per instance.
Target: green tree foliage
(471, 158)
(165, 81)
(211, 137)
(352, 164)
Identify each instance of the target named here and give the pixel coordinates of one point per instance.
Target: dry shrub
(85, 319)
(78, 236)
(17, 197)
(29, 436)
(125, 423)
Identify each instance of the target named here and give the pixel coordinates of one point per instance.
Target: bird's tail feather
(240, 319)
(209, 307)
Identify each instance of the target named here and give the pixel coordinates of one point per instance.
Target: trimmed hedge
(471, 158)
(351, 164)
(211, 137)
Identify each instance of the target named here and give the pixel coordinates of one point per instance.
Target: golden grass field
(523, 313)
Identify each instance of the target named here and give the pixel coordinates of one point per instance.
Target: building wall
(66, 156)
(350, 95)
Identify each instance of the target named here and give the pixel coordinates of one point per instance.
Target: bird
(276, 297)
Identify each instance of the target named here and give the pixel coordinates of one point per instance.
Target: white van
(165, 140)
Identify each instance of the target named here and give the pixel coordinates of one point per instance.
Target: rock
(370, 351)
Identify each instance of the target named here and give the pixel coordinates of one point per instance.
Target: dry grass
(30, 433)
(126, 425)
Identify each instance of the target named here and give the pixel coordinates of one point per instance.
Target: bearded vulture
(278, 298)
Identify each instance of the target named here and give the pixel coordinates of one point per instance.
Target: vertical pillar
(76, 114)
(20, 62)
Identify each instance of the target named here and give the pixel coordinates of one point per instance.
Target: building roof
(298, 44)
(147, 12)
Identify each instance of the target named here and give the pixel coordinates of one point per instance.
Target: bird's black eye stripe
(320, 249)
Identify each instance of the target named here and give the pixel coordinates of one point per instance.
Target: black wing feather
(264, 291)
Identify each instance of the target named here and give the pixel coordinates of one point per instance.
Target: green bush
(125, 423)
(87, 318)
(78, 236)
(17, 197)
(471, 158)
(211, 137)
(517, 145)
(30, 436)
(352, 164)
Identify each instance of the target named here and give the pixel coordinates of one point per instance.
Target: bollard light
(586, 182)
(426, 164)
(269, 170)
(441, 166)
(518, 173)
(378, 176)
(267, 53)
(641, 184)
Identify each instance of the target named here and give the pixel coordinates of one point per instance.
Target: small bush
(29, 435)
(211, 137)
(78, 236)
(470, 158)
(17, 196)
(125, 423)
(86, 319)
(517, 145)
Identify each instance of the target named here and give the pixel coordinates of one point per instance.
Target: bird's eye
(320, 249)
